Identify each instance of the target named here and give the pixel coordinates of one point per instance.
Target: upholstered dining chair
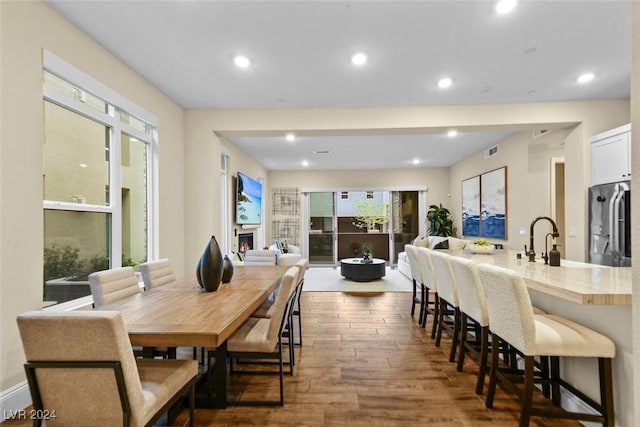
(261, 338)
(512, 320)
(448, 320)
(417, 279)
(473, 307)
(302, 265)
(111, 285)
(80, 365)
(157, 273)
(430, 285)
(260, 257)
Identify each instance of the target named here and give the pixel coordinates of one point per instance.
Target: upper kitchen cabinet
(611, 156)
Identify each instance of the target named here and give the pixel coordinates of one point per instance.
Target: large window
(96, 180)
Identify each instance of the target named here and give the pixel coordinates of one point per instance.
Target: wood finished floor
(366, 362)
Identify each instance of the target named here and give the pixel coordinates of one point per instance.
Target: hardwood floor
(364, 362)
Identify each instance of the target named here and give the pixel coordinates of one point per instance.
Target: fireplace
(245, 242)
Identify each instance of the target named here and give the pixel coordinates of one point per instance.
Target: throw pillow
(455, 243)
(442, 245)
(285, 247)
(421, 242)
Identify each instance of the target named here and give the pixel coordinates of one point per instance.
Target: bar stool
(430, 284)
(511, 319)
(416, 273)
(473, 307)
(447, 296)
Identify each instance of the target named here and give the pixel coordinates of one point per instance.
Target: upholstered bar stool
(416, 275)
(473, 307)
(157, 273)
(447, 296)
(430, 285)
(512, 320)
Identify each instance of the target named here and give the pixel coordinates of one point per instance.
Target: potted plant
(367, 252)
(370, 214)
(440, 222)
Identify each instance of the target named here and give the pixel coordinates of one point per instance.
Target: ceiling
(300, 58)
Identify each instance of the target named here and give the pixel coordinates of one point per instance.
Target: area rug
(328, 279)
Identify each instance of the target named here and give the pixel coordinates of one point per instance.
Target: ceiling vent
(539, 132)
(490, 152)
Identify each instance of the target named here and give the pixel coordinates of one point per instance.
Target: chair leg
(440, 322)
(425, 307)
(527, 392)
(192, 400)
(436, 314)
(463, 341)
(413, 298)
(422, 312)
(493, 370)
(484, 349)
(606, 391)
(456, 333)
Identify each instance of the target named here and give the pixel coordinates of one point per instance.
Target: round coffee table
(358, 271)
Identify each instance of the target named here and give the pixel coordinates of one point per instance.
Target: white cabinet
(611, 156)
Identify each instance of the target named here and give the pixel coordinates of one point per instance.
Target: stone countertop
(574, 281)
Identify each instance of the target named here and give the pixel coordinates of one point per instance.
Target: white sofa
(290, 258)
(428, 242)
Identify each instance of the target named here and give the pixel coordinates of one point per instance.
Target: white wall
(635, 166)
(26, 28)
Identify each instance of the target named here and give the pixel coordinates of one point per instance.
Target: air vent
(322, 152)
(539, 132)
(490, 152)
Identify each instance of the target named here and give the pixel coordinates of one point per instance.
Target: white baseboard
(14, 399)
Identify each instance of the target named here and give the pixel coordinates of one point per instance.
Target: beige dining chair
(512, 320)
(302, 265)
(261, 338)
(448, 319)
(111, 285)
(80, 366)
(157, 273)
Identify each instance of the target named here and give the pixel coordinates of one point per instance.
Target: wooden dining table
(182, 314)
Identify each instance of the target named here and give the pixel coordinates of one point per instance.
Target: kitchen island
(596, 296)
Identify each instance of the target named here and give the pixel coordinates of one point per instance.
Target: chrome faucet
(554, 234)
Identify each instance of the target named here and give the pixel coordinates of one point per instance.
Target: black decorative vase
(227, 270)
(209, 268)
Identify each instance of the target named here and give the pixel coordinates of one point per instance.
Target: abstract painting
(493, 203)
(471, 206)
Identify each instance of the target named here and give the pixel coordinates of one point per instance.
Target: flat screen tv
(248, 201)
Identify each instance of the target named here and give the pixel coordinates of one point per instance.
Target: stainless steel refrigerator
(610, 224)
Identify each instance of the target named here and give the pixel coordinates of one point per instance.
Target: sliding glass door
(321, 228)
(341, 222)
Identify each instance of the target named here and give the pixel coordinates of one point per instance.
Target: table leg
(216, 378)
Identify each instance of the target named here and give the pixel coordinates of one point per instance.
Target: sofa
(292, 255)
(428, 242)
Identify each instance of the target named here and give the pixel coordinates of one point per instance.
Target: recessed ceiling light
(452, 133)
(241, 61)
(83, 165)
(585, 78)
(444, 83)
(291, 137)
(359, 59)
(416, 161)
(505, 6)
(305, 163)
